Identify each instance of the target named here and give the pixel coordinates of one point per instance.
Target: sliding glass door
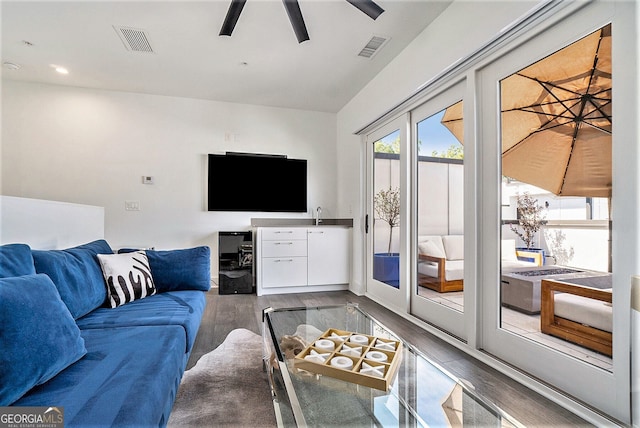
(438, 281)
(385, 222)
(548, 281)
(508, 197)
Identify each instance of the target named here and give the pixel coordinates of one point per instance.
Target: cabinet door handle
(316, 231)
(366, 223)
(283, 243)
(284, 231)
(283, 260)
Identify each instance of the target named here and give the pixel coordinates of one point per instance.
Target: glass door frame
(605, 390)
(555, 22)
(450, 320)
(395, 298)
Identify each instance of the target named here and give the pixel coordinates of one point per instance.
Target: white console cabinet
(302, 259)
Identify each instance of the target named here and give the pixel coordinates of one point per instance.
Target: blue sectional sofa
(64, 346)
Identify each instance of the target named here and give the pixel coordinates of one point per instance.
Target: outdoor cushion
(453, 246)
(181, 308)
(436, 239)
(16, 260)
(183, 269)
(77, 275)
(38, 335)
(583, 310)
(128, 277)
(454, 270)
(129, 378)
(429, 248)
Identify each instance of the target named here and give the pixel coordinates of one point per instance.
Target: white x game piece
(338, 337)
(389, 346)
(356, 351)
(377, 371)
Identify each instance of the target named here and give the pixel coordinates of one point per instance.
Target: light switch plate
(132, 205)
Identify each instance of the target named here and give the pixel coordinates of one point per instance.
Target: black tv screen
(248, 182)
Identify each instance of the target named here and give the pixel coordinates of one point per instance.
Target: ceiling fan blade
(235, 8)
(369, 7)
(297, 21)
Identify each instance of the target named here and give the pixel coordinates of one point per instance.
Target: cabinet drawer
(278, 234)
(284, 248)
(284, 272)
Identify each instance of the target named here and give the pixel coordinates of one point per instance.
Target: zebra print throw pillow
(128, 277)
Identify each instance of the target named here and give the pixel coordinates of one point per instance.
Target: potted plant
(530, 218)
(386, 266)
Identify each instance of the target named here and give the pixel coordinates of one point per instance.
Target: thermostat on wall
(147, 179)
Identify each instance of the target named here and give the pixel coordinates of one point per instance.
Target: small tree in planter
(386, 266)
(530, 218)
(387, 206)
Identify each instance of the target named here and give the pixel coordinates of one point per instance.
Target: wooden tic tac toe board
(353, 357)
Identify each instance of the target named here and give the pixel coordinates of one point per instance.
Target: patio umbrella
(452, 119)
(556, 120)
(452, 407)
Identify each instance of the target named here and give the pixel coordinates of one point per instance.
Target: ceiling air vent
(134, 40)
(373, 46)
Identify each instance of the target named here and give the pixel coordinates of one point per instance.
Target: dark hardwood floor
(227, 312)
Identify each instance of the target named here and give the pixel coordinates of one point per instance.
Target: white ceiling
(192, 60)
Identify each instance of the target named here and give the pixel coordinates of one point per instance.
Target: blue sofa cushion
(128, 277)
(129, 378)
(181, 308)
(77, 275)
(184, 269)
(16, 260)
(38, 335)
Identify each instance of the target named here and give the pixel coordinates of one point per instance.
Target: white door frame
(559, 23)
(394, 298)
(448, 319)
(608, 391)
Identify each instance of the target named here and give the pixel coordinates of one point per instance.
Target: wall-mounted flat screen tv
(256, 182)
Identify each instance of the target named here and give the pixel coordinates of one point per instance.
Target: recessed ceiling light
(59, 69)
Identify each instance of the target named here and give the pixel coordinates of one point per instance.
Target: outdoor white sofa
(441, 262)
(577, 313)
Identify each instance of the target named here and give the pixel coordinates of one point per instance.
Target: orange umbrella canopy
(556, 120)
(452, 119)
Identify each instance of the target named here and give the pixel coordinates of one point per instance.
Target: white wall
(93, 147)
(46, 225)
(440, 200)
(463, 28)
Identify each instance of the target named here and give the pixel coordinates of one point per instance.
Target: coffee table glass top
(421, 393)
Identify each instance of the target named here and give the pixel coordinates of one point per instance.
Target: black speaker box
(235, 282)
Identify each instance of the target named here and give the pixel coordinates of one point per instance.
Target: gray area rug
(226, 387)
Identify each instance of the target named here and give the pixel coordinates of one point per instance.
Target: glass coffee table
(420, 393)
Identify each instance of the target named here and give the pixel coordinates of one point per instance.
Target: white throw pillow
(454, 247)
(430, 249)
(128, 277)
